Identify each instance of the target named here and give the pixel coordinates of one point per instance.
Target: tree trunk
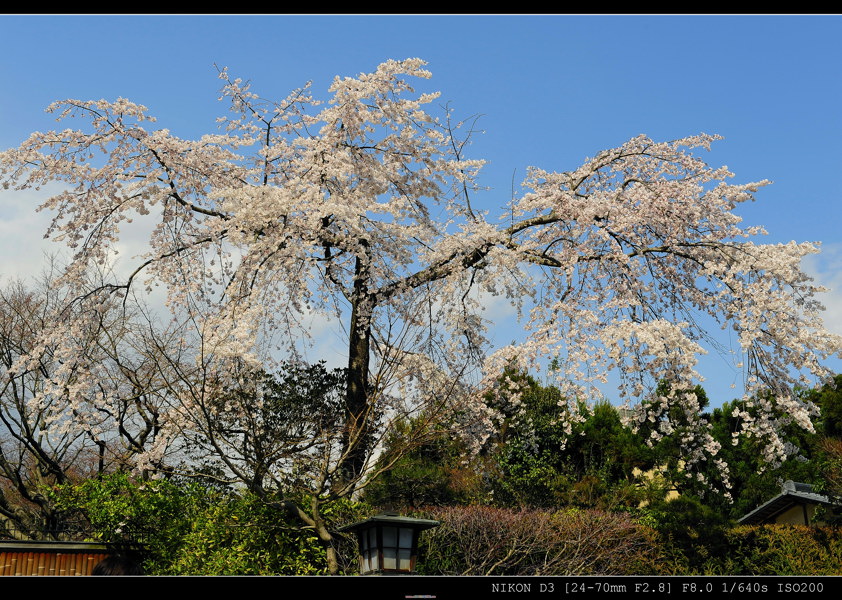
(326, 540)
(355, 437)
(317, 522)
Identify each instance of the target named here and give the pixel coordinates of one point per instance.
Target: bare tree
(48, 437)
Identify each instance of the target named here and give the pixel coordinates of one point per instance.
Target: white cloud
(22, 244)
(826, 269)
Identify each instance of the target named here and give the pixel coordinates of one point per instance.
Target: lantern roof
(394, 519)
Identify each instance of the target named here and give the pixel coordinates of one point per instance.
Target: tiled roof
(793, 494)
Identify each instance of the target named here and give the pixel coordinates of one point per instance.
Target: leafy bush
(189, 529)
(154, 514)
(433, 473)
(782, 550)
(690, 534)
(712, 548)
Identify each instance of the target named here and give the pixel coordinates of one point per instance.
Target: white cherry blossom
(364, 207)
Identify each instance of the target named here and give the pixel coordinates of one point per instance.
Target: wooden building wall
(49, 558)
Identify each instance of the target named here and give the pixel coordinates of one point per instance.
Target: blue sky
(551, 90)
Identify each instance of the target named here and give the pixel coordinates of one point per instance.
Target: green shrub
(189, 529)
(691, 537)
(784, 550)
(747, 550)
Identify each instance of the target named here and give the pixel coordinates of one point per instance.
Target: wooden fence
(50, 558)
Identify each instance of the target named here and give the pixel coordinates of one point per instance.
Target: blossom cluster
(363, 208)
